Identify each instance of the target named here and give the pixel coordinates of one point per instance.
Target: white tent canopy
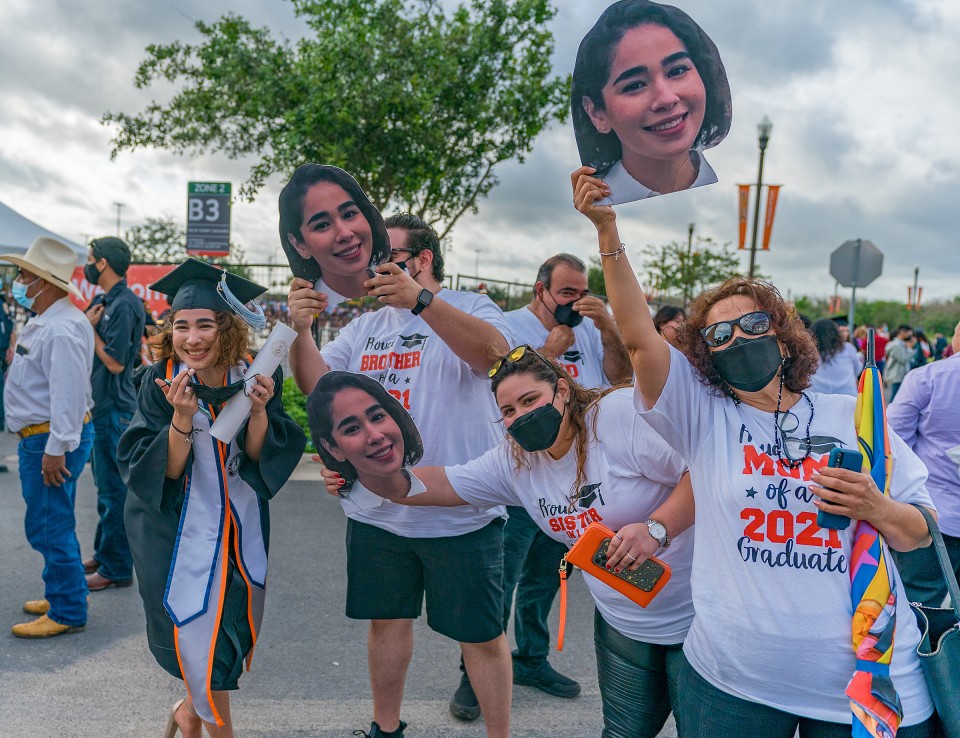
(17, 233)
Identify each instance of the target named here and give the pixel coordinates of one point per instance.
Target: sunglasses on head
(753, 324)
(512, 358)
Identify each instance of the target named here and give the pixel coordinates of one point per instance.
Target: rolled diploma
(237, 409)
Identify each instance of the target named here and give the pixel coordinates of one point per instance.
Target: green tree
(157, 239)
(595, 281)
(418, 104)
(672, 269)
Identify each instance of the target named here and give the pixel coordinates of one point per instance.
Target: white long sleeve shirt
(49, 379)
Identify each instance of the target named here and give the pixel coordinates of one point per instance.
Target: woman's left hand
(260, 391)
(331, 480)
(630, 547)
(852, 494)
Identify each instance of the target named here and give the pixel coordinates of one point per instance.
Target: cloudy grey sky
(859, 93)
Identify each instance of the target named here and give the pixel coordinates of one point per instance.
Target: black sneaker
(464, 705)
(377, 732)
(545, 678)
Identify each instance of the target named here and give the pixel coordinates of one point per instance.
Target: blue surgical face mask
(19, 291)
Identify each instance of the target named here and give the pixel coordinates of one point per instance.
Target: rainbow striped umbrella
(874, 701)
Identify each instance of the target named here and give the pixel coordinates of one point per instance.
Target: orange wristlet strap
(563, 603)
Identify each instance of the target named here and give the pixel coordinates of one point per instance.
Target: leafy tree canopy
(157, 239)
(420, 105)
(672, 269)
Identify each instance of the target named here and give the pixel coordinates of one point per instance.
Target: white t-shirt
(770, 588)
(451, 404)
(838, 375)
(358, 501)
(624, 188)
(630, 472)
(583, 360)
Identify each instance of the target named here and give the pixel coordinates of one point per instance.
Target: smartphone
(644, 578)
(372, 271)
(840, 458)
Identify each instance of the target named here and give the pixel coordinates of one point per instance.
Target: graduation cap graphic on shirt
(573, 356)
(413, 340)
(588, 495)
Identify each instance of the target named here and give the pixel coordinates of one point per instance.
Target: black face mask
(750, 363)
(566, 315)
(538, 429)
(216, 395)
(91, 274)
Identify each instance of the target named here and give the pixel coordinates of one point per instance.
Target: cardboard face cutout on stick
(360, 429)
(330, 231)
(649, 95)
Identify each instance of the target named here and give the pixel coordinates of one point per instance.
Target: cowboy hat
(50, 260)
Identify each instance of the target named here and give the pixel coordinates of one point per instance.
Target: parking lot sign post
(208, 218)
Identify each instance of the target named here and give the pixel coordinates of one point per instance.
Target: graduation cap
(194, 284)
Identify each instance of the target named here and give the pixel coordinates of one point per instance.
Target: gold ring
(632, 558)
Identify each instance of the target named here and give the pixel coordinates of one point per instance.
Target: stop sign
(856, 263)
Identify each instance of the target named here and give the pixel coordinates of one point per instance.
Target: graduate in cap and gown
(198, 518)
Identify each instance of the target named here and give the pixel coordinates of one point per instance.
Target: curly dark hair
(802, 357)
(827, 336)
(320, 404)
(233, 345)
(592, 70)
(291, 215)
(536, 365)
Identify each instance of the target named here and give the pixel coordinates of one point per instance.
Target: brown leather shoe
(43, 627)
(36, 607)
(96, 582)
(90, 565)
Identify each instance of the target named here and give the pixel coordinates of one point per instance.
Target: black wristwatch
(423, 300)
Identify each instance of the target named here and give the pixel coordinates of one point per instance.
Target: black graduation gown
(152, 518)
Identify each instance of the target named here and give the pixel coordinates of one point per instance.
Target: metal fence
(508, 295)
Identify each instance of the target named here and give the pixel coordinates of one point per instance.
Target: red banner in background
(773, 191)
(138, 277)
(744, 200)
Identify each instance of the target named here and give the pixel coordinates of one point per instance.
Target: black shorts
(461, 576)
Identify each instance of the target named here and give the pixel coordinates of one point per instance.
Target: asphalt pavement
(309, 675)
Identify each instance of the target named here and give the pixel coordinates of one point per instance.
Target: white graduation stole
(216, 501)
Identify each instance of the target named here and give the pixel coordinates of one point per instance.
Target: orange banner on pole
(773, 192)
(744, 201)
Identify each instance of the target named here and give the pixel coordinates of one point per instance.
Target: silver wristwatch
(659, 531)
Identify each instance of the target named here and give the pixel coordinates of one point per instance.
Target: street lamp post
(688, 276)
(476, 263)
(119, 206)
(764, 128)
(913, 297)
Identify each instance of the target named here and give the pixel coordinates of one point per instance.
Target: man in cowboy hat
(47, 400)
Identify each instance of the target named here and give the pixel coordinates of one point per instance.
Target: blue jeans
(110, 545)
(51, 527)
(638, 682)
(708, 712)
(530, 563)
